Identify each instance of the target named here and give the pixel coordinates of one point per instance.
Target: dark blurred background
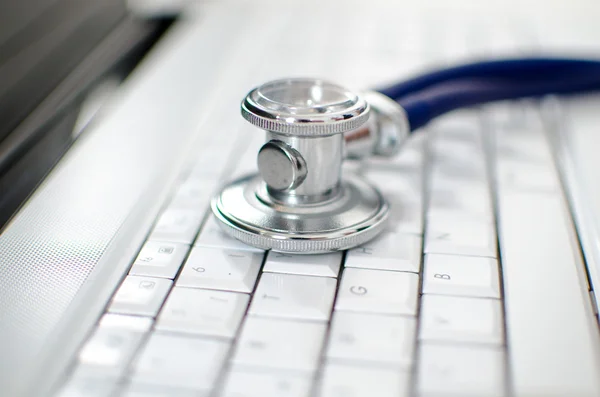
(54, 56)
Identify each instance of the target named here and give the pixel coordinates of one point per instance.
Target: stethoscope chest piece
(300, 202)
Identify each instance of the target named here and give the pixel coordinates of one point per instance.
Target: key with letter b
(461, 276)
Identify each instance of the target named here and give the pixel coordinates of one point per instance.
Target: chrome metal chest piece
(300, 202)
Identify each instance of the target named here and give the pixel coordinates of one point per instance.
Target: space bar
(551, 332)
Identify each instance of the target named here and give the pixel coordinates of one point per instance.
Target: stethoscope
(300, 202)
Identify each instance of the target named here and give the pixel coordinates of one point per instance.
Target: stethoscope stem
(512, 69)
(433, 94)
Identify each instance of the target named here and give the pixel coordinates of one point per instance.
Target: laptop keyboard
(419, 311)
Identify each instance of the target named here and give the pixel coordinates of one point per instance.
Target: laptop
(115, 279)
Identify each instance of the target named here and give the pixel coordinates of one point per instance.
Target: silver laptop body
(116, 281)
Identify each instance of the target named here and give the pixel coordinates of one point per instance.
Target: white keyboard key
(221, 269)
(324, 265)
(112, 345)
(405, 216)
(378, 291)
(459, 131)
(451, 168)
(406, 211)
(213, 236)
(462, 126)
(513, 119)
(460, 236)
(388, 251)
(295, 297)
(125, 322)
(353, 381)
(457, 162)
(521, 176)
(461, 371)
(528, 148)
(212, 159)
(461, 275)
(407, 158)
(458, 319)
(468, 198)
(89, 386)
(246, 382)
(178, 361)
(177, 225)
(203, 312)
(194, 193)
(552, 330)
(140, 296)
(372, 338)
(145, 390)
(408, 183)
(280, 344)
(159, 259)
(523, 143)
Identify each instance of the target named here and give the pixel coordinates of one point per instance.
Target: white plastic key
(213, 159)
(460, 235)
(144, 390)
(293, 296)
(372, 339)
(140, 295)
(193, 193)
(112, 345)
(324, 265)
(108, 351)
(403, 189)
(406, 216)
(86, 386)
(406, 182)
(469, 371)
(177, 225)
(468, 198)
(524, 177)
(212, 236)
(203, 312)
(125, 322)
(524, 147)
(554, 346)
(180, 361)
(229, 270)
(388, 251)
(248, 382)
(462, 126)
(356, 381)
(378, 291)
(280, 344)
(461, 276)
(458, 319)
(159, 259)
(456, 163)
(451, 168)
(525, 157)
